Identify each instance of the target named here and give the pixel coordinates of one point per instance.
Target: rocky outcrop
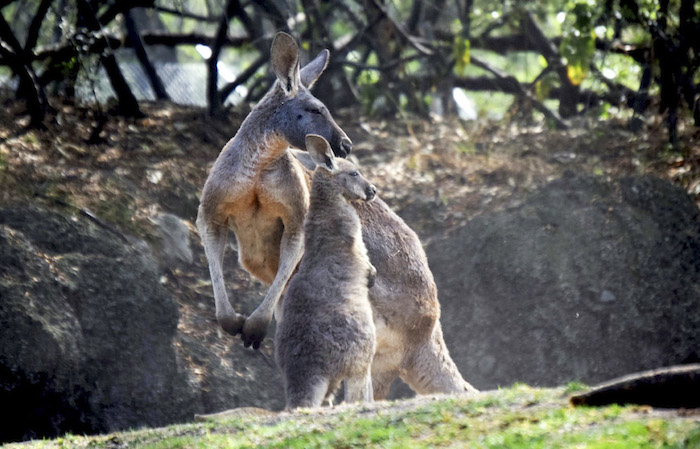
(86, 330)
(585, 280)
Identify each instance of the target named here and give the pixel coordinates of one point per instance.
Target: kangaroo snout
(370, 192)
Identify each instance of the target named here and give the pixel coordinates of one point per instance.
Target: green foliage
(545, 85)
(462, 54)
(574, 387)
(693, 440)
(519, 417)
(578, 40)
(440, 43)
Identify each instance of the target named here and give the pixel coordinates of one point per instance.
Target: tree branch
(413, 41)
(35, 26)
(128, 105)
(233, 8)
(185, 14)
(4, 3)
(567, 104)
(135, 39)
(122, 5)
(520, 42)
(29, 87)
(65, 50)
(522, 92)
(243, 77)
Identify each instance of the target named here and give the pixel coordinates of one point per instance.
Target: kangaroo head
(343, 174)
(300, 113)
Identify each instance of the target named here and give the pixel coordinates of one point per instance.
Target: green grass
(513, 418)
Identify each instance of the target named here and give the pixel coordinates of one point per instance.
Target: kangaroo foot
(232, 324)
(254, 331)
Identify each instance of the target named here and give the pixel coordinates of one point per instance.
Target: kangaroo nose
(346, 145)
(370, 191)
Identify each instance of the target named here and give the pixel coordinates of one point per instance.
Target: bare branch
(243, 77)
(65, 49)
(29, 88)
(122, 5)
(522, 92)
(142, 56)
(233, 9)
(412, 40)
(4, 3)
(35, 26)
(128, 105)
(567, 102)
(185, 14)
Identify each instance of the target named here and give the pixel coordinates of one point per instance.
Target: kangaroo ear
(284, 57)
(320, 151)
(311, 71)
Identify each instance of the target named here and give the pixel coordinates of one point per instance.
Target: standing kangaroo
(325, 333)
(258, 188)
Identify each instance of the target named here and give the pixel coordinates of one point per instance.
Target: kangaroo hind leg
(306, 392)
(214, 238)
(359, 389)
(430, 369)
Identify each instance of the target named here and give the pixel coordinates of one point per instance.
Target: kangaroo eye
(314, 110)
(354, 173)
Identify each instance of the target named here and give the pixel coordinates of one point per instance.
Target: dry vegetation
(436, 175)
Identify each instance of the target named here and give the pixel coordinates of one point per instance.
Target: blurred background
(547, 153)
(551, 60)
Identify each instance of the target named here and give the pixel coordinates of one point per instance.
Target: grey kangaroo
(260, 190)
(325, 333)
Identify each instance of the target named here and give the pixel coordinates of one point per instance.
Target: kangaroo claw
(372, 276)
(253, 333)
(232, 324)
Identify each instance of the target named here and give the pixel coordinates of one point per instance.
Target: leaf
(576, 73)
(578, 40)
(462, 53)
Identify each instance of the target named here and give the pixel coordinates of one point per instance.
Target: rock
(86, 331)
(585, 280)
(174, 239)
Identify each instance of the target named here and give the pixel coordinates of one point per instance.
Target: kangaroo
(260, 189)
(325, 332)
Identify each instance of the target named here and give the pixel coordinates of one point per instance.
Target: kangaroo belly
(390, 349)
(258, 233)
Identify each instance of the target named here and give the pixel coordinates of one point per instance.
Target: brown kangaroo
(325, 332)
(260, 190)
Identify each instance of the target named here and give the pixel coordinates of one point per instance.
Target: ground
(517, 417)
(436, 174)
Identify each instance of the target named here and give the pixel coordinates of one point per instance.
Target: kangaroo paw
(232, 324)
(254, 332)
(372, 276)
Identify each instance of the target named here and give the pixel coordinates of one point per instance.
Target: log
(672, 387)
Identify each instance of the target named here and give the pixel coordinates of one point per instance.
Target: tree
(394, 56)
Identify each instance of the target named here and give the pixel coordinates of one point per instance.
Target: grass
(513, 418)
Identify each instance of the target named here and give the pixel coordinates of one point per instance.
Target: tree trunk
(156, 83)
(29, 88)
(213, 98)
(128, 105)
(35, 26)
(568, 92)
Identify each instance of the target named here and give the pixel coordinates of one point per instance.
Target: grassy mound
(517, 417)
